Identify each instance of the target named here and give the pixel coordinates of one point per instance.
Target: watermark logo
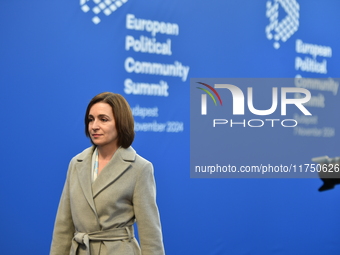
(204, 97)
(239, 99)
(282, 30)
(100, 8)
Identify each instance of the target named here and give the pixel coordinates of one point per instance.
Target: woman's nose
(95, 125)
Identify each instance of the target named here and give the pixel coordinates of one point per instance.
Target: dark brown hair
(122, 115)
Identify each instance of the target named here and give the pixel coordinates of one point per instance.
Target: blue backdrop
(56, 55)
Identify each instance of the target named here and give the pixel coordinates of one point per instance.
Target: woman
(108, 188)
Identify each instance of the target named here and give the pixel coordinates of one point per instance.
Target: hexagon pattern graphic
(282, 30)
(100, 8)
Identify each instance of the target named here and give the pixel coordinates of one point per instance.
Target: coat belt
(115, 234)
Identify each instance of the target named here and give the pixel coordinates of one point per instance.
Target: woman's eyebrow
(100, 115)
(103, 115)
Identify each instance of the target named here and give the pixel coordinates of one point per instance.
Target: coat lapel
(120, 162)
(84, 161)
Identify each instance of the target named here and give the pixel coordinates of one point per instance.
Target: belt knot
(114, 234)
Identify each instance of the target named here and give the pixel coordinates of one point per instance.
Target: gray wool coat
(96, 218)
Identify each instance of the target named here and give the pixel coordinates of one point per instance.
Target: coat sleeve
(63, 227)
(146, 212)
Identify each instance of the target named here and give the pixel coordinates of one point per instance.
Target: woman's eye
(90, 120)
(104, 120)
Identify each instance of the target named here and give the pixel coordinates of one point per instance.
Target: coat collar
(120, 162)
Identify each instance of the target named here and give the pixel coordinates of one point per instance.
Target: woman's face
(102, 125)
